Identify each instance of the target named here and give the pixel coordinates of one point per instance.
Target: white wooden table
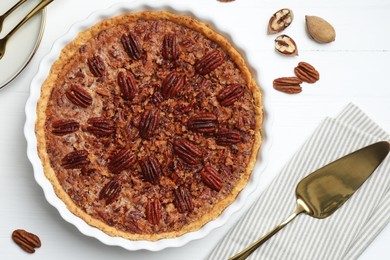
(355, 68)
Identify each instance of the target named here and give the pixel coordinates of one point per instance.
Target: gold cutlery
(3, 41)
(2, 17)
(324, 191)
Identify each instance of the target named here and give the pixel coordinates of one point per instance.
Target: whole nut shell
(284, 44)
(280, 20)
(319, 29)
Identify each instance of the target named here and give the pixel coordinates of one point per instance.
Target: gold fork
(2, 17)
(3, 41)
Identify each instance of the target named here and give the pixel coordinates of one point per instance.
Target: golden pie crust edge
(59, 68)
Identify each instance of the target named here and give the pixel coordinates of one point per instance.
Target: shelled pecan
(151, 169)
(127, 85)
(110, 192)
(227, 137)
(211, 178)
(121, 160)
(230, 94)
(307, 72)
(183, 200)
(187, 151)
(203, 123)
(209, 62)
(26, 240)
(78, 96)
(290, 85)
(170, 49)
(96, 65)
(153, 211)
(75, 160)
(64, 126)
(172, 84)
(132, 45)
(100, 126)
(149, 123)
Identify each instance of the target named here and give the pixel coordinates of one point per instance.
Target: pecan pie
(149, 125)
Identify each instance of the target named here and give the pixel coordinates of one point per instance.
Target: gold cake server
(324, 191)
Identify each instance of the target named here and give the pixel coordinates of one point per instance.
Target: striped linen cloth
(343, 235)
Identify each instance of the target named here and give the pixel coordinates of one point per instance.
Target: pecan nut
(230, 94)
(110, 192)
(284, 44)
(280, 20)
(172, 84)
(307, 72)
(211, 178)
(203, 123)
(26, 240)
(319, 29)
(187, 151)
(290, 85)
(96, 65)
(132, 46)
(151, 170)
(209, 62)
(149, 122)
(121, 161)
(103, 92)
(170, 49)
(64, 126)
(78, 96)
(226, 137)
(75, 160)
(127, 85)
(100, 126)
(183, 200)
(153, 211)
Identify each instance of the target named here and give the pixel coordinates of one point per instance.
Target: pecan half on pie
(149, 125)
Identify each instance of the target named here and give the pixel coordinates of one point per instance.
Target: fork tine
(2, 17)
(13, 8)
(37, 8)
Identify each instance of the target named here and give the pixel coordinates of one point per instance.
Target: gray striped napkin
(346, 233)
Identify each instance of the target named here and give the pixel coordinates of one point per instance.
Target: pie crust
(192, 186)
